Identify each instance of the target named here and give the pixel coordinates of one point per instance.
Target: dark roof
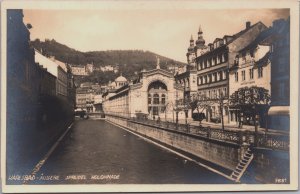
(235, 36)
(261, 37)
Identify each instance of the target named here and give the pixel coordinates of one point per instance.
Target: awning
(279, 110)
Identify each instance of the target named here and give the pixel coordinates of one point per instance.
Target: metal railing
(266, 140)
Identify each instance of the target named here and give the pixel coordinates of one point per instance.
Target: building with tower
(200, 47)
(191, 55)
(152, 93)
(213, 63)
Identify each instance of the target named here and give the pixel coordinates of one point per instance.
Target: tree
(184, 105)
(200, 103)
(250, 101)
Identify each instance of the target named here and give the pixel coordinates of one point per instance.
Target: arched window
(149, 99)
(155, 99)
(163, 98)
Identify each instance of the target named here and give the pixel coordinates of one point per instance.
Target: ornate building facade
(153, 93)
(252, 67)
(213, 62)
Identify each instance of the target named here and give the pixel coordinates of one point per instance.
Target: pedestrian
(240, 121)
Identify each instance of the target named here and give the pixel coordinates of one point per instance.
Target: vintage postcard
(149, 96)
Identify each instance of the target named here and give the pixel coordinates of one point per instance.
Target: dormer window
(244, 56)
(221, 42)
(236, 60)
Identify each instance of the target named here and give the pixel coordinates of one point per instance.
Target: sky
(165, 32)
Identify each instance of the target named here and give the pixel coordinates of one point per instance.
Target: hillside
(129, 61)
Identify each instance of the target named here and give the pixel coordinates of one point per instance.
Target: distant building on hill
(89, 68)
(78, 70)
(107, 68)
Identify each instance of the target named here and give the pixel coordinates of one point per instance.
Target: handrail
(266, 141)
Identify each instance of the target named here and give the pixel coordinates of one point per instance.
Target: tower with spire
(200, 47)
(191, 52)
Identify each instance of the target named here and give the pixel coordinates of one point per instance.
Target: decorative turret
(200, 42)
(192, 45)
(157, 63)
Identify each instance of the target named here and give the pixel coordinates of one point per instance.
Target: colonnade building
(153, 93)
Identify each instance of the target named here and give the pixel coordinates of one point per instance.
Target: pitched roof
(261, 37)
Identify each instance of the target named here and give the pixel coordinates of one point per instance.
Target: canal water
(97, 152)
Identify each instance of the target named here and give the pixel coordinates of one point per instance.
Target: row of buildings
(40, 90)
(89, 95)
(255, 56)
(84, 70)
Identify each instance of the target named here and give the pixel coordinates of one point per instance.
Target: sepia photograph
(152, 96)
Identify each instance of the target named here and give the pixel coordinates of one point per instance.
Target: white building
(153, 93)
(78, 70)
(89, 68)
(107, 68)
(252, 67)
(56, 68)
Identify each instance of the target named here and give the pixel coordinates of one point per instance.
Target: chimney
(248, 24)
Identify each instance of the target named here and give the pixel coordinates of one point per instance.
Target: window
(224, 75)
(225, 91)
(149, 99)
(218, 60)
(209, 62)
(163, 98)
(244, 57)
(243, 75)
(155, 110)
(155, 99)
(236, 76)
(251, 73)
(260, 72)
(225, 57)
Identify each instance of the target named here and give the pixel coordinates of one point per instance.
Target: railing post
(188, 128)
(242, 137)
(208, 132)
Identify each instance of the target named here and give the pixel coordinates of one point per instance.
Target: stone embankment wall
(224, 154)
(268, 166)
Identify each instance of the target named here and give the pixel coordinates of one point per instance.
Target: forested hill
(128, 60)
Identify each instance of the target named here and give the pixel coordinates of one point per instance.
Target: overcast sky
(165, 32)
